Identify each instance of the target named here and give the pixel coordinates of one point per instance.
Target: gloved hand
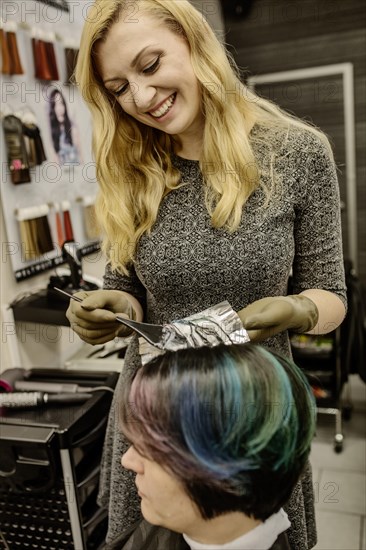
(269, 316)
(94, 319)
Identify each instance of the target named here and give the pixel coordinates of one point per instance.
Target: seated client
(219, 437)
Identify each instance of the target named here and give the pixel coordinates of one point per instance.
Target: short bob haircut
(233, 424)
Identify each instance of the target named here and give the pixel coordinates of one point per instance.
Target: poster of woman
(65, 136)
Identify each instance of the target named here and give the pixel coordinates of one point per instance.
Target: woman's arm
(330, 307)
(317, 304)
(76, 142)
(318, 268)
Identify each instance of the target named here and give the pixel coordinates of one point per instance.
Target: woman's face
(163, 499)
(59, 108)
(147, 67)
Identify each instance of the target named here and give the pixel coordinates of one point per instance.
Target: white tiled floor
(340, 478)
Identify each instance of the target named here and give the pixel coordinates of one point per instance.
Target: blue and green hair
(233, 424)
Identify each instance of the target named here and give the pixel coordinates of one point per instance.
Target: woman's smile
(165, 107)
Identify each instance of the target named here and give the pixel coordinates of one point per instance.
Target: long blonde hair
(134, 167)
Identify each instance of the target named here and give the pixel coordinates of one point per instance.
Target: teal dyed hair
(233, 423)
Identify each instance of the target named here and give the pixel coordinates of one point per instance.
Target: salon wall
(35, 344)
(281, 35)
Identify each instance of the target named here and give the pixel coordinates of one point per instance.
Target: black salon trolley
(320, 358)
(49, 469)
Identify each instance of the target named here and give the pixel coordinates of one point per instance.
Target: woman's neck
(222, 529)
(189, 146)
(189, 152)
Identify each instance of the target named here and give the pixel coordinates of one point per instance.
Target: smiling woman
(207, 193)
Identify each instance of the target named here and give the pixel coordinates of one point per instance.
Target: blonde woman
(207, 193)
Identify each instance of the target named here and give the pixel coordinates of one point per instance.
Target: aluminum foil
(218, 324)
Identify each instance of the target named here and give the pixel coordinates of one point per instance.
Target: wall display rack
(69, 177)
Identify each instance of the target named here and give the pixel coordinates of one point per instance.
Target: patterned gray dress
(185, 265)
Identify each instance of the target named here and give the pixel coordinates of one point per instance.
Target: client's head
(215, 431)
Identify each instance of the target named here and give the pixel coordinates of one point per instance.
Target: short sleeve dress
(184, 265)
